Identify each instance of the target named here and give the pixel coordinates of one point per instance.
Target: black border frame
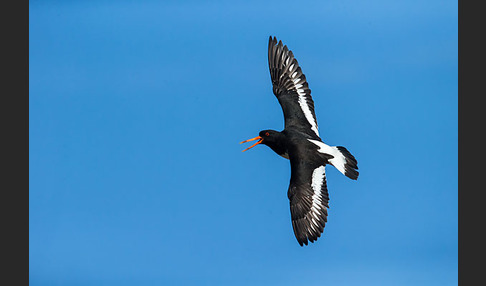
(15, 136)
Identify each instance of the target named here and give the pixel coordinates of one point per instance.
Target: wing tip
(304, 233)
(281, 60)
(306, 240)
(272, 40)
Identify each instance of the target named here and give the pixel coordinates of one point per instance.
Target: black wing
(291, 88)
(309, 199)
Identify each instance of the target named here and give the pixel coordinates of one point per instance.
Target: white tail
(342, 159)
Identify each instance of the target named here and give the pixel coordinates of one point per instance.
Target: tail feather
(350, 164)
(342, 159)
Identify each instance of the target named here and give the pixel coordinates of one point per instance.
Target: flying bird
(301, 143)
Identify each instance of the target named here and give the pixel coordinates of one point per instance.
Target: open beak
(260, 139)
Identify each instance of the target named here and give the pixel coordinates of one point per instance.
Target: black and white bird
(301, 143)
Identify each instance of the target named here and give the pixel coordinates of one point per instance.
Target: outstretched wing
(309, 200)
(291, 88)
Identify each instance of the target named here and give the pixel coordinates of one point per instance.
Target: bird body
(301, 144)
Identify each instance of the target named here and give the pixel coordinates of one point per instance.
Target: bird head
(265, 137)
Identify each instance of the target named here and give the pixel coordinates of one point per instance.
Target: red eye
(267, 134)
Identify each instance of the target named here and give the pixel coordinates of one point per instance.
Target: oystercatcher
(301, 144)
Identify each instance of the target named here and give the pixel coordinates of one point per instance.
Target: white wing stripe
(306, 110)
(318, 177)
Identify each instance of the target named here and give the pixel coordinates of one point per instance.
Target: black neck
(278, 143)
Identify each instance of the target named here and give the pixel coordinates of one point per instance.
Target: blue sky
(137, 107)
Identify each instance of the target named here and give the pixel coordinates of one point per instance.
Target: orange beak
(252, 139)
